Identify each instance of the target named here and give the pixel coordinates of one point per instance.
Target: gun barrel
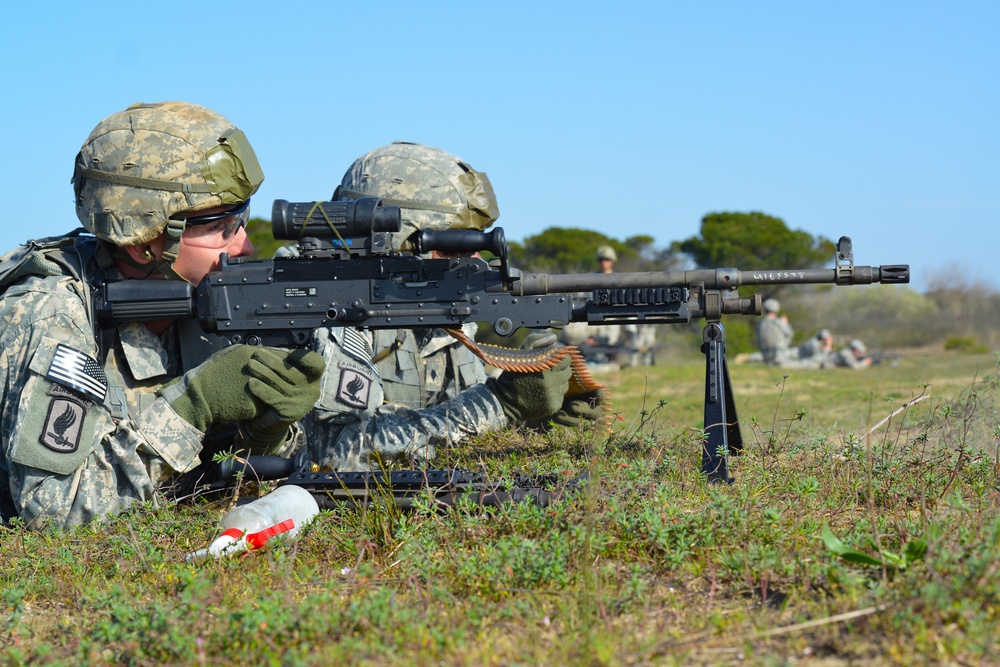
(845, 275)
(894, 273)
(532, 284)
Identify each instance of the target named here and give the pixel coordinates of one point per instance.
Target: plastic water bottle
(284, 511)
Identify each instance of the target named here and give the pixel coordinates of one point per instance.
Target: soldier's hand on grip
(288, 383)
(271, 388)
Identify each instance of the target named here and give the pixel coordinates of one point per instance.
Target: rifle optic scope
(358, 217)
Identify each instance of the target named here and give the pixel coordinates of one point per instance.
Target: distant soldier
(817, 352)
(606, 258)
(774, 336)
(626, 345)
(855, 356)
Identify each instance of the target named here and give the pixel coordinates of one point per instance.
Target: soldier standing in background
(774, 335)
(619, 345)
(606, 258)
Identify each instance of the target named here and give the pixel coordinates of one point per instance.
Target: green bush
(965, 344)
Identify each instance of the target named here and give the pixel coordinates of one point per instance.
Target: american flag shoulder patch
(357, 346)
(76, 370)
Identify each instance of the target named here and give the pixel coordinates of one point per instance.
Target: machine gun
(332, 489)
(347, 274)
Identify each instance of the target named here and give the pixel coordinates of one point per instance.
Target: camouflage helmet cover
(771, 305)
(143, 165)
(606, 252)
(435, 189)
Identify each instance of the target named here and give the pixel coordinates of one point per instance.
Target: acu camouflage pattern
(175, 144)
(421, 368)
(846, 358)
(351, 421)
(774, 339)
(427, 391)
(127, 446)
(813, 356)
(435, 189)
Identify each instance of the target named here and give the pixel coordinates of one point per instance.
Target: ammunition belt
(517, 360)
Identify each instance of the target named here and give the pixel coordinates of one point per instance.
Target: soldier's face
(201, 244)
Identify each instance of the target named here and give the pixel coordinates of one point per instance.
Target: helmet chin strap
(164, 265)
(171, 249)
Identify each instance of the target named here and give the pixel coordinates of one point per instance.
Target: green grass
(647, 565)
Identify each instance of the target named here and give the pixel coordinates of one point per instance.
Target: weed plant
(862, 528)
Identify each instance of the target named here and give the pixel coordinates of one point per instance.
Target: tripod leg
(722, 426)
(734, 439)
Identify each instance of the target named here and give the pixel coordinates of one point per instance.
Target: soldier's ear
(140, 254)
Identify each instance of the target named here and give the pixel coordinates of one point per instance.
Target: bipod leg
(722, 425)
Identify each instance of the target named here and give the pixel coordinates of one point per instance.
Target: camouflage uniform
(422, 367)
(83, 439)
(405, 393)
(774, 337)
(404, 371)
(352, 420)
(855, 356)
(435, 191)
(71, 455)
(813, 352)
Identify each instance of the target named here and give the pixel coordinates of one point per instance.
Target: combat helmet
(141, 170)
(606, 252)
(435, 189)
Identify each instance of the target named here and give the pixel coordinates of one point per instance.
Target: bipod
(722, 425)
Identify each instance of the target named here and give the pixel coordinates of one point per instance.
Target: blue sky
(875, 120)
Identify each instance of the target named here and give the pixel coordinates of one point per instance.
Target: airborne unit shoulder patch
(354, 388)
(63, 425)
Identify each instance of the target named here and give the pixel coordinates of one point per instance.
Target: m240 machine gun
(347, 274)
(354, 489)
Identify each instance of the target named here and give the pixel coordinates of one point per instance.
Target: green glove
(525, 396)
(580, 409)
(288, 383)
(215, 391)
(538, 341)
(245, 382)
(576, 411)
